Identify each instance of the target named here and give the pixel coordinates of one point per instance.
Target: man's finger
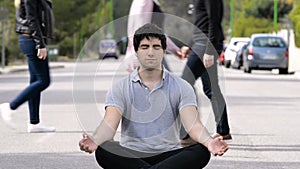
(85, 136)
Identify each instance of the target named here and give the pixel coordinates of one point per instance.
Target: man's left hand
(217, 146)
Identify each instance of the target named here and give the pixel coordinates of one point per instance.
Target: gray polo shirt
(150, 119)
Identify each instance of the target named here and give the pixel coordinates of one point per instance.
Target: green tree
(256, 16)
(11, 38)
(265, 9)
(295, 17)
(77, 20)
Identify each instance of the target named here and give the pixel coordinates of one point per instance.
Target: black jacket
(208, 20)
(35, 17)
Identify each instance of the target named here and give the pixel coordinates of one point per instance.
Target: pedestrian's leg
(34, 104)
(212, 90)
(193, 157)
(191, 72)
(39, 79)
(111, 155)
(193, 68)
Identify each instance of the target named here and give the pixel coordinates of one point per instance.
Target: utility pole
(231, 17)
(111, 25)
(3, 16)
(3, 46)
(275, 15)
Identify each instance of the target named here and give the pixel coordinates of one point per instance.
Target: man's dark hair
(147, 31)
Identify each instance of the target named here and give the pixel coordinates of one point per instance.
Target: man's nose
(151, 51)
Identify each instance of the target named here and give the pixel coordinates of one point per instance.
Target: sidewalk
(61, 63)
(20, 68)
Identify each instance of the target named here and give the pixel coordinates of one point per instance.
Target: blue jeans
(193, 70)
(39, 79)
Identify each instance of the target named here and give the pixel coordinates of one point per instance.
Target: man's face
(150, 53)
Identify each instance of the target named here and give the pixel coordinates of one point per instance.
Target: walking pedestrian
(140, 13)
(207, 45)
(150, 103)
(34, 24)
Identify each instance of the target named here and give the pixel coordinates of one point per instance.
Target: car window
(268, 42)
(241, 44)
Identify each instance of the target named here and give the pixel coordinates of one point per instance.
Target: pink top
(141, 13)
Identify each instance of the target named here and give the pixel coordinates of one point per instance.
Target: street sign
(3, 14)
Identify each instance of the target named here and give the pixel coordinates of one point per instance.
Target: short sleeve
(116, 96)
(187, 95)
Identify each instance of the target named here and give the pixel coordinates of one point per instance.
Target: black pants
(193, 70)
(111, 155)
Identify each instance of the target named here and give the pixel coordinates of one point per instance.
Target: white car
(235, 44)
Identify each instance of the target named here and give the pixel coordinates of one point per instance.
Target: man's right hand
(42, 53)
(182, 53)
(87, 144)
(185, 51)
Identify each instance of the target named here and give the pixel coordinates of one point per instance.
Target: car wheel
(227, 63)
(236, 65)
(247, 70)
(283, 71)
(239, 65)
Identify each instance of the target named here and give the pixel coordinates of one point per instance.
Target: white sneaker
(6, 113)
(40, 128)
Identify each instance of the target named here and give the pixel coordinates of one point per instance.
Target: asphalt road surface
(263, 110)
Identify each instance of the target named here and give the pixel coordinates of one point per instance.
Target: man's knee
(99, 155)
(204, 155)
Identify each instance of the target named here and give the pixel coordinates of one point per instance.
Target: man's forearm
(103, 133)
(201, 137)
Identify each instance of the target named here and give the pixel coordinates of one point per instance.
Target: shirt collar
(134, 76)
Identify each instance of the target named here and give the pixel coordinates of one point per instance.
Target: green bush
(245, 27)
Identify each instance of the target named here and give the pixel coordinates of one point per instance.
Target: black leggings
(111, 155)
(210, 82)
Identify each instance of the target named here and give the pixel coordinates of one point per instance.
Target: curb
(22, 68)
(297, 73)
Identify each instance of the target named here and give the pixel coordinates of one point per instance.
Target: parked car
(266, 52)
(238, 61)
(122, 45)
(108, 48)
(233, 47)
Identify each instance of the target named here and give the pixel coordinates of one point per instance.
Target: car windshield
(269, 42)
